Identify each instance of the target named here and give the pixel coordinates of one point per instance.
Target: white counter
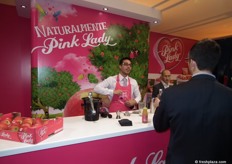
(78, 130)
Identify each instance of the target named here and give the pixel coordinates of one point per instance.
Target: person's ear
(193, 62)
(192, 65)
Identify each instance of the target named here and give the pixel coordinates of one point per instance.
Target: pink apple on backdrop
(74, 104)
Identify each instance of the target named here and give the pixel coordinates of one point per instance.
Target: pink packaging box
(15, 128)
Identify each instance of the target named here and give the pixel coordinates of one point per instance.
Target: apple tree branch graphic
(131, 43)
(51, 89)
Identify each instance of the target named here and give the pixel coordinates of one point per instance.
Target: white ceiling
(193, 19)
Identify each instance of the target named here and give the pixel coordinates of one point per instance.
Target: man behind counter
(164, 83)
(122, 90)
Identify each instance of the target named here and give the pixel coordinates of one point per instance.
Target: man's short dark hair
(122, 60)
(206, 53)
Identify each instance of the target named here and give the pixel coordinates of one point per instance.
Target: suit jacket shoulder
(156, 89)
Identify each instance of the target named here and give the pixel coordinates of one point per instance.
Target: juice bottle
(144, 115)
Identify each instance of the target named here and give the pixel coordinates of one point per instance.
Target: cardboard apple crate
(33, 135)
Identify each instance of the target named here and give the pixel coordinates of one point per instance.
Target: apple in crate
(7, 121)
(17, 119)
(24, 127)
(34, 126)
(6, 116)
(14, 127)
(28, 120)
(3, 126)
(45, 122)
(38, 121)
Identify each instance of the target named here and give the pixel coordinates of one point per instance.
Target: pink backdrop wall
(15, 62)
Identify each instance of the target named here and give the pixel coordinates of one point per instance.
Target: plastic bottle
(152, 109)
(144, 115)
(160, 93)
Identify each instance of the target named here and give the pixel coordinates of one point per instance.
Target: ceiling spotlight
(155, 22)
(105, 8)
(23, 6)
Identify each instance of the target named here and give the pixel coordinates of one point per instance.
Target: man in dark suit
(198, 112)
(164, 82)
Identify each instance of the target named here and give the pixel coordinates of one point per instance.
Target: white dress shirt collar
(164, 84)
(121, 77)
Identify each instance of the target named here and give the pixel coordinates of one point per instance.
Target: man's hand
(117, 92)
(130, 103)
(156, 102)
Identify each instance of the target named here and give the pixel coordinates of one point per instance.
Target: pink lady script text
(170, 53)
(58, 42)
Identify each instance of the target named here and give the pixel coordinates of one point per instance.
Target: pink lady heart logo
(43, 131)
(168, 52)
